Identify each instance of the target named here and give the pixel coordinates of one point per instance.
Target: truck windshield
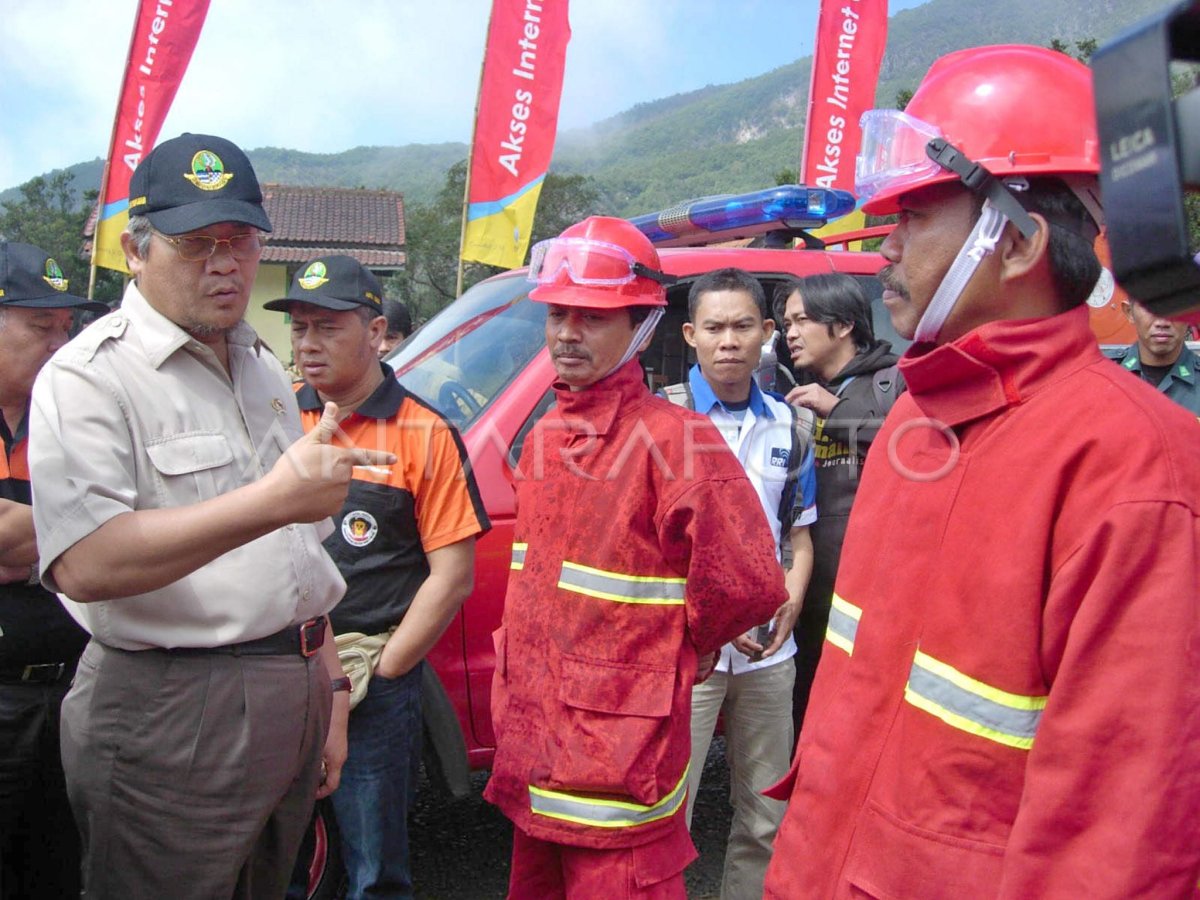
(463, 357)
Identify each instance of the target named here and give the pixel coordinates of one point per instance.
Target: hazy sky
(327, 76)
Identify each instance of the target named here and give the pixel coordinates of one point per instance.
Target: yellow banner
(852, 222)
(498, 233)
(107, 239)
(516, 120)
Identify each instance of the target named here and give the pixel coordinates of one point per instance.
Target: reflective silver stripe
(518, 556)
(621, 588)
(605, 813)
(843, 624)
(973, 706)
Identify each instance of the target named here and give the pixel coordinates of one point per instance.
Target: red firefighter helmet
(1016, 110)
(601, 262)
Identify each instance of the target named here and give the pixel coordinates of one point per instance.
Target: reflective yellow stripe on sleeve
(621, 588)
(971, 705)
(518, 556)
(605, 813)
(843, 624)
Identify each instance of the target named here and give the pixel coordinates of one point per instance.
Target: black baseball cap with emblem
(196, 180)
(31, 279)
(333, 282)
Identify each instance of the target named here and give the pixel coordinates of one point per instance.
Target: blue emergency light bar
(729, 216)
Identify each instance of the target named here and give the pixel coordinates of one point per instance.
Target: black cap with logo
(333, 282)
(193, 181)
(31, 279)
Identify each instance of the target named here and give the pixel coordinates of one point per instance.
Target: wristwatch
(341, 684)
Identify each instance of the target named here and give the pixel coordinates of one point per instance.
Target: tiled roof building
(310, 222)
(315, 221)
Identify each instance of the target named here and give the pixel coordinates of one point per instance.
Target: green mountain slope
(719, 139)
(736, 137)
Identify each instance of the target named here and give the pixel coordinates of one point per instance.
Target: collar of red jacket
(996, 365)
(599, 404)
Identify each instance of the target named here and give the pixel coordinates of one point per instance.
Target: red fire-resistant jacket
(1008, 702)
(639, 544)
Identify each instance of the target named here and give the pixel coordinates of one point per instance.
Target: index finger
(780, 637)
(362, 457)
(746, 644)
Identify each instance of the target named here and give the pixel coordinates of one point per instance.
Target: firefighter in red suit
(640, 548)
(1007, 704)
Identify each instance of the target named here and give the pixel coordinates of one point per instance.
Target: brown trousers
(192, 776)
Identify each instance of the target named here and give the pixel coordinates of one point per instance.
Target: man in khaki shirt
(174, 494)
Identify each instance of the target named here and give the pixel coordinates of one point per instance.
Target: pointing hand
(312, 478)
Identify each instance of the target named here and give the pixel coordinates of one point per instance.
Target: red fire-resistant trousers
(542, 870)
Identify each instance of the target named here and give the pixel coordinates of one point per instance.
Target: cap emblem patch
(313, 277)
(359, 528)
(208, 172)
(54, 276)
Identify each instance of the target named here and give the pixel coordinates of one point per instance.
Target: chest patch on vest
(779, 457)
(359, 528)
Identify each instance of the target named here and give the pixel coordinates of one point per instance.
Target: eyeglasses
(199, 247)
(588, 261)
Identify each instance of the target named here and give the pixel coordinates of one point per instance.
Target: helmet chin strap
(979, 244)
(643, 331)
(1000, 206)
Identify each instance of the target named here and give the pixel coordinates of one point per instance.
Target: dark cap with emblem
(31, 279)
(193, 181)
(333, 282)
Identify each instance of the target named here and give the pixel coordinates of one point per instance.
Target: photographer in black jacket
(826, 320)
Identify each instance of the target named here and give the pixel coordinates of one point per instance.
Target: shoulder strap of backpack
(887, 385)
(680, 395)
(804, 424)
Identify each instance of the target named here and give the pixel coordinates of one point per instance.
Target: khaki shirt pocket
(191, 467)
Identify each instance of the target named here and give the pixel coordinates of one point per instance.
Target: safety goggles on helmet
(588, 262)
(893, 151)
(903, 150)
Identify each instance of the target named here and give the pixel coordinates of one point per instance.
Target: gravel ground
(461, 848)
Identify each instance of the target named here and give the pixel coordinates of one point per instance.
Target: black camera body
(1150, 154)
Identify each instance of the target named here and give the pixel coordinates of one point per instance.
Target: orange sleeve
(448, 504)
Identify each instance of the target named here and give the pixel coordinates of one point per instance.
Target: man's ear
(376, 331)
(132, 260)
(1020, 255)
(646, 342)
(689, 334)
(768, 329)
(1127, 308)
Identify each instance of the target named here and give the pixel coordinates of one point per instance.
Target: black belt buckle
(312, 636)
(43, 672)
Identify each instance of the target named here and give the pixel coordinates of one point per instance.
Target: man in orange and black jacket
(405, 543)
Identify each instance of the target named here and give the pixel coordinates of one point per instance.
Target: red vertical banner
(851, 36)
(164, 35)
(515, 127)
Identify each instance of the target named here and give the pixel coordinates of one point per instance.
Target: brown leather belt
(304, 639)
